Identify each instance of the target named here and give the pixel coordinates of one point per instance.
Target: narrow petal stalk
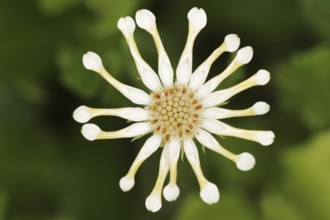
(92, 132)
(207, 140)
(148, 76)
(261, 78)
(258, 108)
(153, 201)
(244, 55)
(198, 78)
(171, 191)
(93, 62)
(83, 113)
(147, 21)
(149, 147)
(244, 161)
(197, 21)
(216, 127)
(191, 153)
(208, 191)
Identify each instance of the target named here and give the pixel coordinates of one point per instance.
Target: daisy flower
(177, 109)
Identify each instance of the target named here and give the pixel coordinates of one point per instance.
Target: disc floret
(175, 112)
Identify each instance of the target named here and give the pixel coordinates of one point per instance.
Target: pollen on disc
(175, 111)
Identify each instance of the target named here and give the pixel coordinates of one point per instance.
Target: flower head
(178, 111)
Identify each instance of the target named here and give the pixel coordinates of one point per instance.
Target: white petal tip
(245, 161)
(260, 108)
(145, 19)
(244, 55)
(171, 192)
(262, 77)
(126, 183)
(153, 203)
(210, 193)
(92, 61)
(266, 138)
(82, 114)
(232, 42)
(126, 25)
(90, 131)
(197, 18)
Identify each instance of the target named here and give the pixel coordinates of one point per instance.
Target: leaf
(306, 178)
(27, 44)
(303, 84)
(57, 7)
(3, 204)
(276, 205)
(80, 81)
(318, 14)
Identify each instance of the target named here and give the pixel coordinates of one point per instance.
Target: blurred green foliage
(312, 66)
(49, 172)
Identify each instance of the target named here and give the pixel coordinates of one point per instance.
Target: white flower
(179, 111)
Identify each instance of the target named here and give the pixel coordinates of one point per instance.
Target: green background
(48, 171)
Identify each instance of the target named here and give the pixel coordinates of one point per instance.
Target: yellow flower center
(175, 112)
